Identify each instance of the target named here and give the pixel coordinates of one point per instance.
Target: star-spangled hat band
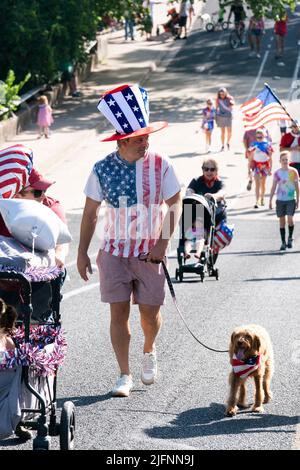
(127, 109)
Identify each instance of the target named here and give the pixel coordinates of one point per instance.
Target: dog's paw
(268, 397)
(257, 409)
(231, 411)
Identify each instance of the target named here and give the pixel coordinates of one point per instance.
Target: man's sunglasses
(206, 168)
(36, 192)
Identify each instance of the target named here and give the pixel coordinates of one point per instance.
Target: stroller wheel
(217, 274)
(67, 426)
(210, 27)
(202, 277)
(176, 274)
(41, 443)
(180, 275)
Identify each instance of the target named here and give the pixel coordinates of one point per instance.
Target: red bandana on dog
(244, 368)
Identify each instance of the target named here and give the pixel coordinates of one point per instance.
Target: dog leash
(143, 257)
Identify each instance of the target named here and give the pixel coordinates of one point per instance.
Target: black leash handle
(143, 257)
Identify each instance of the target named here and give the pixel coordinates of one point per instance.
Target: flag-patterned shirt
(134, 194)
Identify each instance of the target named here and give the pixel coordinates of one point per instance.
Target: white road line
(258, 77)
(81, 290)
(295, 77)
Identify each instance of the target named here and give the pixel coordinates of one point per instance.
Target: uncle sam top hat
(127, 109)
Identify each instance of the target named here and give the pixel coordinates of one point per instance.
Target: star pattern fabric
(117, 179)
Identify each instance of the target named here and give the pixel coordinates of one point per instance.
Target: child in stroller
(199, 216)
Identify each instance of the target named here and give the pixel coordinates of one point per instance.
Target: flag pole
(283, 107)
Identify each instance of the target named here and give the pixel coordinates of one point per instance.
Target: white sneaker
(123, 386)
(149, 368)
(258, 56)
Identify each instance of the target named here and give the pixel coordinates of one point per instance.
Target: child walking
(286, 180)
(208, 118)
(44, 117)
(260, 164)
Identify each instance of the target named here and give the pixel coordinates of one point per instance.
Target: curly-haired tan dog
(251, 354)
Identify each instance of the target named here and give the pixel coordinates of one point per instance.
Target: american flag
(15, 168)
(223, 236)
(263, 109)
(244, 368)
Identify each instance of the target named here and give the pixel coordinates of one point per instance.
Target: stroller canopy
(199, 199)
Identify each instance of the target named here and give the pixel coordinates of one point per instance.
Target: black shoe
(22, 432)
(283, 246)
(290, 243)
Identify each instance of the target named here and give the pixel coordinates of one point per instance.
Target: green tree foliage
(43, 37)
(10, 90)
(37, 36)
(267, 8)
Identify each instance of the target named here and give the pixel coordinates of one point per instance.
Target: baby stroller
(172, 25)
(198, 211)
(29, 372)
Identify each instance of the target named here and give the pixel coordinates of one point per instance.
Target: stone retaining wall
(27, 113)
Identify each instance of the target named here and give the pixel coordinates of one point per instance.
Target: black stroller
(198, 211)
(40, 347)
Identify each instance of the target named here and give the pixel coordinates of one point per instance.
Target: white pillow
(27, 220)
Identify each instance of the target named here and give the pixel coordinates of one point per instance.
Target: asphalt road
(184, 409)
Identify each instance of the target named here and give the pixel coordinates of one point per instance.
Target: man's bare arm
(87, 229)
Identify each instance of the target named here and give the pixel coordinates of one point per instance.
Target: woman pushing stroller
(203, 229)
(209, 184)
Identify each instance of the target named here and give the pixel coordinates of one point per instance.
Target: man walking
(136, 185)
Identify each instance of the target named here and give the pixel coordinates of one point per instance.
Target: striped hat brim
(154, 127)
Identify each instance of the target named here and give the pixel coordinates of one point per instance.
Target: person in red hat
(136, 185)
(36, 190)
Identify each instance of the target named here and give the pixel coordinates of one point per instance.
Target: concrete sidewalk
(74, 143)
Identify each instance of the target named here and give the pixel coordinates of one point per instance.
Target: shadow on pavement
(210, 421)
(84, 400)
(260, 253)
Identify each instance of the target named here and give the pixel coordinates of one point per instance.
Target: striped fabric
(15, 168)
(134, 195)
(127, 108)
(223, 236)
(244, 368)
(263, 109)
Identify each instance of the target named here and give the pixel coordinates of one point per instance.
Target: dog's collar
(244, 368)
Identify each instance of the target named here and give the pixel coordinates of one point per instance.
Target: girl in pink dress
(44, 117)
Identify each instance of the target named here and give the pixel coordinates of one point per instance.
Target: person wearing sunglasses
(36, 190)
(209, 184)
